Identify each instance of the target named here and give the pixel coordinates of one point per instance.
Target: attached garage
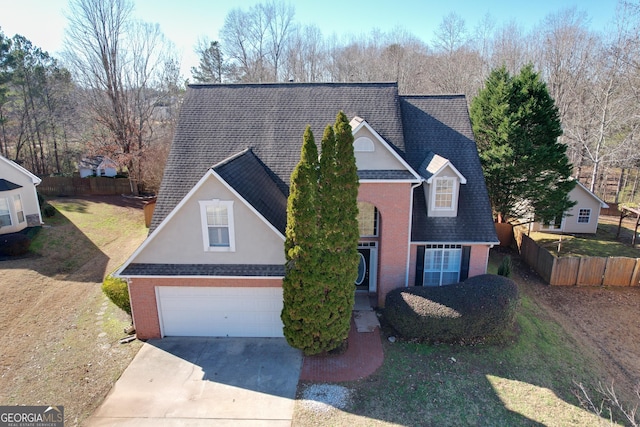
(219, 311)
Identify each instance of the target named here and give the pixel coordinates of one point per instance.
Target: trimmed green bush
(118, 292)
(48, 210)
(14, 244)
(480, 308)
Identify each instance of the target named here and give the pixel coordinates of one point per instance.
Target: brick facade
(393, 201)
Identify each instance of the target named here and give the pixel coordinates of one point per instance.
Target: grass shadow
(62, 249)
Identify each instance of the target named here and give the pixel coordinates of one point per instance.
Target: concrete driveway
(205, 381)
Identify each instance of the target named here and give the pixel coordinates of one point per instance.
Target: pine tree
(321, 242)
(517, 126)
(301, 285)
(338, 225)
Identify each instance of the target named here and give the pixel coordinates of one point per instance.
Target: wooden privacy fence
(581, 271)
(90, 186)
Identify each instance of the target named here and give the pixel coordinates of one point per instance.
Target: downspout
(413, 187)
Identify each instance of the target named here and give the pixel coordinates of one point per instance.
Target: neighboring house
(581, 218)
(97, 166)
(213, 262)
(19, 206)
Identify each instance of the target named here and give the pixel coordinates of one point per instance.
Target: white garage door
(220, 312)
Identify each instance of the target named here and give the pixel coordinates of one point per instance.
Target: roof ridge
(231, 158)
(287, 84)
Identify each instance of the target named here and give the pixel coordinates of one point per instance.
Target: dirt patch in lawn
(603, 319)
(58, 332)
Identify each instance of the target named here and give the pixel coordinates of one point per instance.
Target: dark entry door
(362, 281)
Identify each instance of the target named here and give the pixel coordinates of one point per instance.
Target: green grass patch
(527, 382)
(603, 243)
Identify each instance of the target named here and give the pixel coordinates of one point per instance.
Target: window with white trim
(217, 225)
(442, 264)
(17, 204)
(367, 219)
(584, 216)
(5, 213)
(443, 196)
(363, 145)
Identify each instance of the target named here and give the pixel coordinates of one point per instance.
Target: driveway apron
(205, 381)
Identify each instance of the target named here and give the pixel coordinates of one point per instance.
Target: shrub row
(481, 307)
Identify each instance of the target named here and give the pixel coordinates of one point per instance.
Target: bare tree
(307, 55)
(118, 63)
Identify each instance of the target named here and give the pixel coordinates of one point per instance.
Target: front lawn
(529, 382)
(603, 243)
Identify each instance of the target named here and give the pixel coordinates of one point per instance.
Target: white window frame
(8, 212)
(584, 213)
(19, 208)
(449, 249)
(363, 145)
(228, 204)
(376, 220)
(434, 196)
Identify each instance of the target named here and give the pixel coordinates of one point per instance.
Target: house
(97, 166)
(19, 206)
(581, 218)
(213, 262)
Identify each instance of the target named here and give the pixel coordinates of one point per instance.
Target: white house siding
(17, 175)
(585, 201)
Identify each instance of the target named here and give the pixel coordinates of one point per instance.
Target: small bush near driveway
(480, 308)
(117, 291)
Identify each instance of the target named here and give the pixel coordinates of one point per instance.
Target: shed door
(219, 312)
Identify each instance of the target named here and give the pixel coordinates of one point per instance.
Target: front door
(363, 279)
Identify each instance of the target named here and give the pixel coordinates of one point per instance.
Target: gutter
(406, 278)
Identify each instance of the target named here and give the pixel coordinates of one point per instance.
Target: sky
(184, 22)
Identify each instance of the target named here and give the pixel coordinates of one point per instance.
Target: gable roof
(16, 166)
(247, 175)
(251, 135)
(590, 193)
(270, 119)
(433, 164)
(441, 124)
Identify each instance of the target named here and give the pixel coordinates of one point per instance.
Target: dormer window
(444, 194)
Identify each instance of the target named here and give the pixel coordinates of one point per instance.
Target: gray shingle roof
(386, 175)
(250, 178)
(228, 270)
(440, 124)
(219, 121)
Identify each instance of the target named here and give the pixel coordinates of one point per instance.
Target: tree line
(117, 91)
(593, 76)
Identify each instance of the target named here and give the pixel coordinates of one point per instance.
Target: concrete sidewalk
(205, 381)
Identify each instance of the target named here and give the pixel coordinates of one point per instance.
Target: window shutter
(420, 266)
(464, 263)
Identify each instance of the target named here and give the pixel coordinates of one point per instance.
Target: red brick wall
(143, 297)
(393, 201)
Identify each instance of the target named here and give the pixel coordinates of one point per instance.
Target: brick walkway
(362, 358)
